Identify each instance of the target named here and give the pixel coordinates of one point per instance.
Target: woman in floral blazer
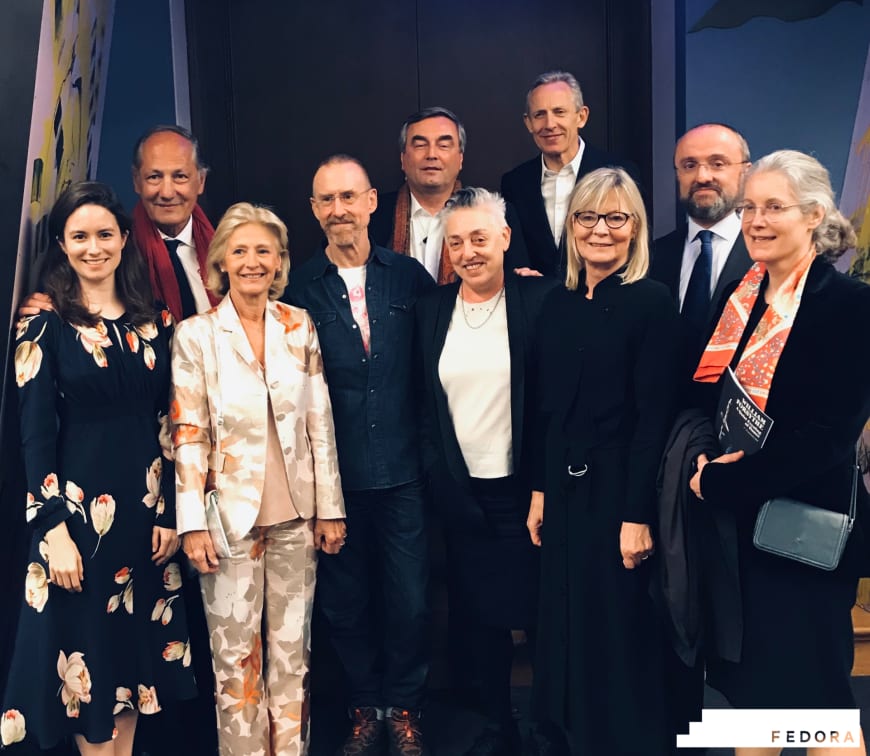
(93, 390)
(252, 420)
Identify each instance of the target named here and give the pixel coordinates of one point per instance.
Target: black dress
(609, 370)
(796, 632)
(89, 404)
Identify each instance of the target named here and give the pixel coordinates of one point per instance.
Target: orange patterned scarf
(758, 361)
(401, 240)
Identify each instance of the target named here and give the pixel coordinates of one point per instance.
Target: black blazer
(522, 188)
(381, 230)
(667, 259)
(523, 300)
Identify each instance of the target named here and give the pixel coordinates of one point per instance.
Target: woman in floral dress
(93, 381)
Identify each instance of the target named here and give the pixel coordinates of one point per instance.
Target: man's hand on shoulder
(527, 272)
(35, 302)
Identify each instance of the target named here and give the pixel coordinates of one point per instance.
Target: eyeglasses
(772, 210)
(714, 165)
(588, 219)
(347, 198)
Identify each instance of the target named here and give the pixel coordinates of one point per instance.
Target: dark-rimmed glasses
(588, 219)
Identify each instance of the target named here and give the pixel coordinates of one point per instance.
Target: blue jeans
(373, 596)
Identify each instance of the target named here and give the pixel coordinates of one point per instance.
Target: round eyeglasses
(588, 219)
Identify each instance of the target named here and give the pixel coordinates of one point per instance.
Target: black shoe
(497, 741)
(546, 742)
(405, 733)
(366, 736)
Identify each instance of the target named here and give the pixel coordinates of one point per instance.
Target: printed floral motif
(147, 331)
(102, 516)
(28, 360)
(123, 697)
(148, 703)
(166, 317)
(172, 577)
(50, 486)
(94, 339)
(75, 686)
(43, 551)
(176, 650)
(33, 506)
(124, 577)
(164, 436)
(150, 358)
(22, 325)
(75, 498)
(12, 727)
(132, 342)
(36, 586)
(163, 610)
(152, 482)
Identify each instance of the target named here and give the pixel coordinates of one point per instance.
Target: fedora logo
(819, 737)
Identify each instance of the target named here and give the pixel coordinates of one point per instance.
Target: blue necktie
(696, 303)
(188, 303)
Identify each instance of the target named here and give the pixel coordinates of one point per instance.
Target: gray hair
(434, 112)
(473, 198)
(168, 129)
(553, 77)
(811, 184)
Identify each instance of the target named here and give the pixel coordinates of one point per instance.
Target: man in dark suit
(698, 261)
(539, 189)
(431, 149)
(706, 254)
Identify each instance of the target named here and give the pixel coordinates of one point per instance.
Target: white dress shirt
(556, 188)
(187, 254)
(725, 233)
(426, 239)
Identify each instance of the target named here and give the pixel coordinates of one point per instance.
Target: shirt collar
(185, 236)
(574, 165)
(418, 209)
(728, 228)
(324, 264)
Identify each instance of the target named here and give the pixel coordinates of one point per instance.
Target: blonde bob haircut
(241, 214)
(590, 194)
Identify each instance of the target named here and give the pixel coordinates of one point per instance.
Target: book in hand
(742, 424)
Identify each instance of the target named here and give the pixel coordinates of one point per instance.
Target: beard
(712, 212)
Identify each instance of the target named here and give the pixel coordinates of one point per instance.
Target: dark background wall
(276, 87)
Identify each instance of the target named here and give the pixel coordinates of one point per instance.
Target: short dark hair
(171, 129)
(433, 112)
(61, 281)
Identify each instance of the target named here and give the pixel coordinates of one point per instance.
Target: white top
(725, 233)
(355, 283)
(556, 188)
(475, 372)
(187, 254)
(426, 238)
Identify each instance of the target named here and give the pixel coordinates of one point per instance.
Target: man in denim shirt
(361, 299)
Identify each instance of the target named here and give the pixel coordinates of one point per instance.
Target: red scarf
(759, 359)
(401, 241)
(152, 247)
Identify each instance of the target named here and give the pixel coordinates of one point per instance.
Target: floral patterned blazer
(216, 378)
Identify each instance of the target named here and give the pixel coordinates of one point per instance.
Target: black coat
(521, 187)
(606, 391)
(496, 560)
(381, 230)
(797, 642)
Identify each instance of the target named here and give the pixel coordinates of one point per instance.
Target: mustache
(341, 219)
(698, 185)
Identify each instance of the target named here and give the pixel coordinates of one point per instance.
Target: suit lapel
(276, 353)
(229, 323)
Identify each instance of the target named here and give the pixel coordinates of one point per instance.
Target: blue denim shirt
(374, 397)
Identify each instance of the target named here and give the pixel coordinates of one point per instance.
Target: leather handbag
(805, 533)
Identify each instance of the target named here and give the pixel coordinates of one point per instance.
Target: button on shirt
(725, 233)
(426, 238)
(187, 254)
(556, 188)
(374, 397)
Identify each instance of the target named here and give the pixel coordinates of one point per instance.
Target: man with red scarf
(169, 227)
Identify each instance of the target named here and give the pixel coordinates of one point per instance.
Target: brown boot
(366, 736)
(405, 734)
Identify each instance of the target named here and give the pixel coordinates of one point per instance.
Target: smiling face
(604, 249)
(432, 159)
(343, 202)
(778, 239)
(251, 260)
(554, 121)
(168, 181)
(476, 244)
(92, 242)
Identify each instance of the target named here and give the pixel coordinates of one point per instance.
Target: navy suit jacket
(522, 188)
(381, 230)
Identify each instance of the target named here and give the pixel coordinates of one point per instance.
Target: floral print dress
(92, 403)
